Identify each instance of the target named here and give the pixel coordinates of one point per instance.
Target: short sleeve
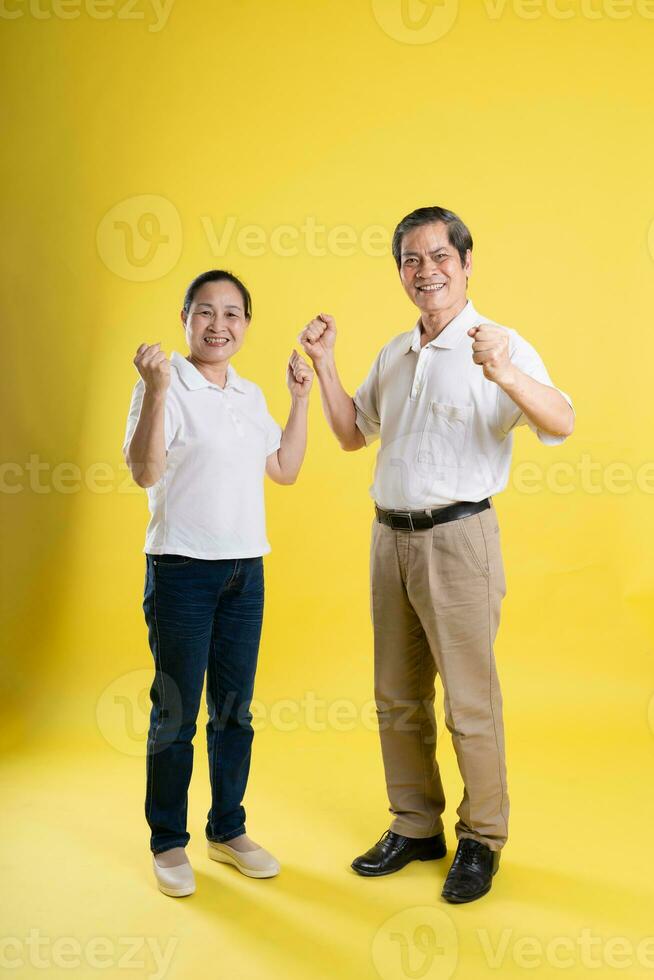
(366, 403)
(274, 431)
(527, 359)
(135, 410)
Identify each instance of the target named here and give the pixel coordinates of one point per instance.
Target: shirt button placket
(234, 418)
(420, 370)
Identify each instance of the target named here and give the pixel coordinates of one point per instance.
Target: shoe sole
(175, 892)
(228, 859)
(454, 900)
(380, 874)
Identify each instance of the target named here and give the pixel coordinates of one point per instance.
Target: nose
(426, 268)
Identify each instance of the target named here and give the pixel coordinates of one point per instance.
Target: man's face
(215, 323)
(431, 269)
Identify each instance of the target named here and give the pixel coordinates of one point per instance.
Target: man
(444, 399)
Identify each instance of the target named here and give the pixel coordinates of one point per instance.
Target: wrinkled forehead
(426, 238)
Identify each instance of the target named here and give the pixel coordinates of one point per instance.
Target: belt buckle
(402, 516)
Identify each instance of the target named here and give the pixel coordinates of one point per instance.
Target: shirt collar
(453, 333)
(193, 379)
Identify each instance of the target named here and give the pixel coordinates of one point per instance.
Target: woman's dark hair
(216, 275)
(457, 233)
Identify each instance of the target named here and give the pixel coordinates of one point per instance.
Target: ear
(467, 266)
(182, 316)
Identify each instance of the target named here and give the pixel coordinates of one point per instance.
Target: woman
(200, 438)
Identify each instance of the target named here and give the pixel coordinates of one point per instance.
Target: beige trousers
(435, 608)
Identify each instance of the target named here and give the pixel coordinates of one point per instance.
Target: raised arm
(541, 403)
(284, 465)
(146, 453)
(318, 339)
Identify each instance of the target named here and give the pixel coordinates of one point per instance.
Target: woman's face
(215, 323)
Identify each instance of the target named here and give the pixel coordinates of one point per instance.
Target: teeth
(216, 341)
(432, 287)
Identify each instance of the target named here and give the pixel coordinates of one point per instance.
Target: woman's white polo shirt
(209, 503)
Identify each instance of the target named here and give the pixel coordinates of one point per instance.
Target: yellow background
(536, 127)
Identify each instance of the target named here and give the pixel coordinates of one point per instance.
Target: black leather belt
(418, 520)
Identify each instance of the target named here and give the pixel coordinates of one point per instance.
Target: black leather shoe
(471, 874)
(393, 851)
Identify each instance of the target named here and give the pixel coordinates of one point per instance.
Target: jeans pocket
(172, 561)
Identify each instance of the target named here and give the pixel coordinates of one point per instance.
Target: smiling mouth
(216, 341)
(431, 287)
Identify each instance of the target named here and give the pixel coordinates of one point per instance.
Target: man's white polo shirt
(209, 503)
(446, 431)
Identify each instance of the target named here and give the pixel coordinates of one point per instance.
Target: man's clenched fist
(491, 349)
(299, 376)
(154, 367)
(318, 337)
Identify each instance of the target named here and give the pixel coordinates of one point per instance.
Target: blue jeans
(202, 616)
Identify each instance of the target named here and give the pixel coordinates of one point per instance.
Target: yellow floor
(572, 898)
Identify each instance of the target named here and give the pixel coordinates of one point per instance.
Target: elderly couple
(443, 398)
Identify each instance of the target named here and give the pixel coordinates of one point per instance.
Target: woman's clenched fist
(299, 376)
(154, 367)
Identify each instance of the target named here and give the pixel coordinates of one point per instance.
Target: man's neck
(432, 324)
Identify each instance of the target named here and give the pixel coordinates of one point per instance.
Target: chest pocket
(444, 436)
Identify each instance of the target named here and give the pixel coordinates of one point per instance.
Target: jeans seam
(223, 838)
(169, 847)
(216, 740)
(234, 574)
(157, 664)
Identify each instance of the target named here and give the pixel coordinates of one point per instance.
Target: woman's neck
(216, 373)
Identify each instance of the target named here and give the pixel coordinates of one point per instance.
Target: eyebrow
(230, 306)
(438, 248)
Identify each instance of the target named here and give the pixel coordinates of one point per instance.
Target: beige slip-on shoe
(177, 881)
(255, 864)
